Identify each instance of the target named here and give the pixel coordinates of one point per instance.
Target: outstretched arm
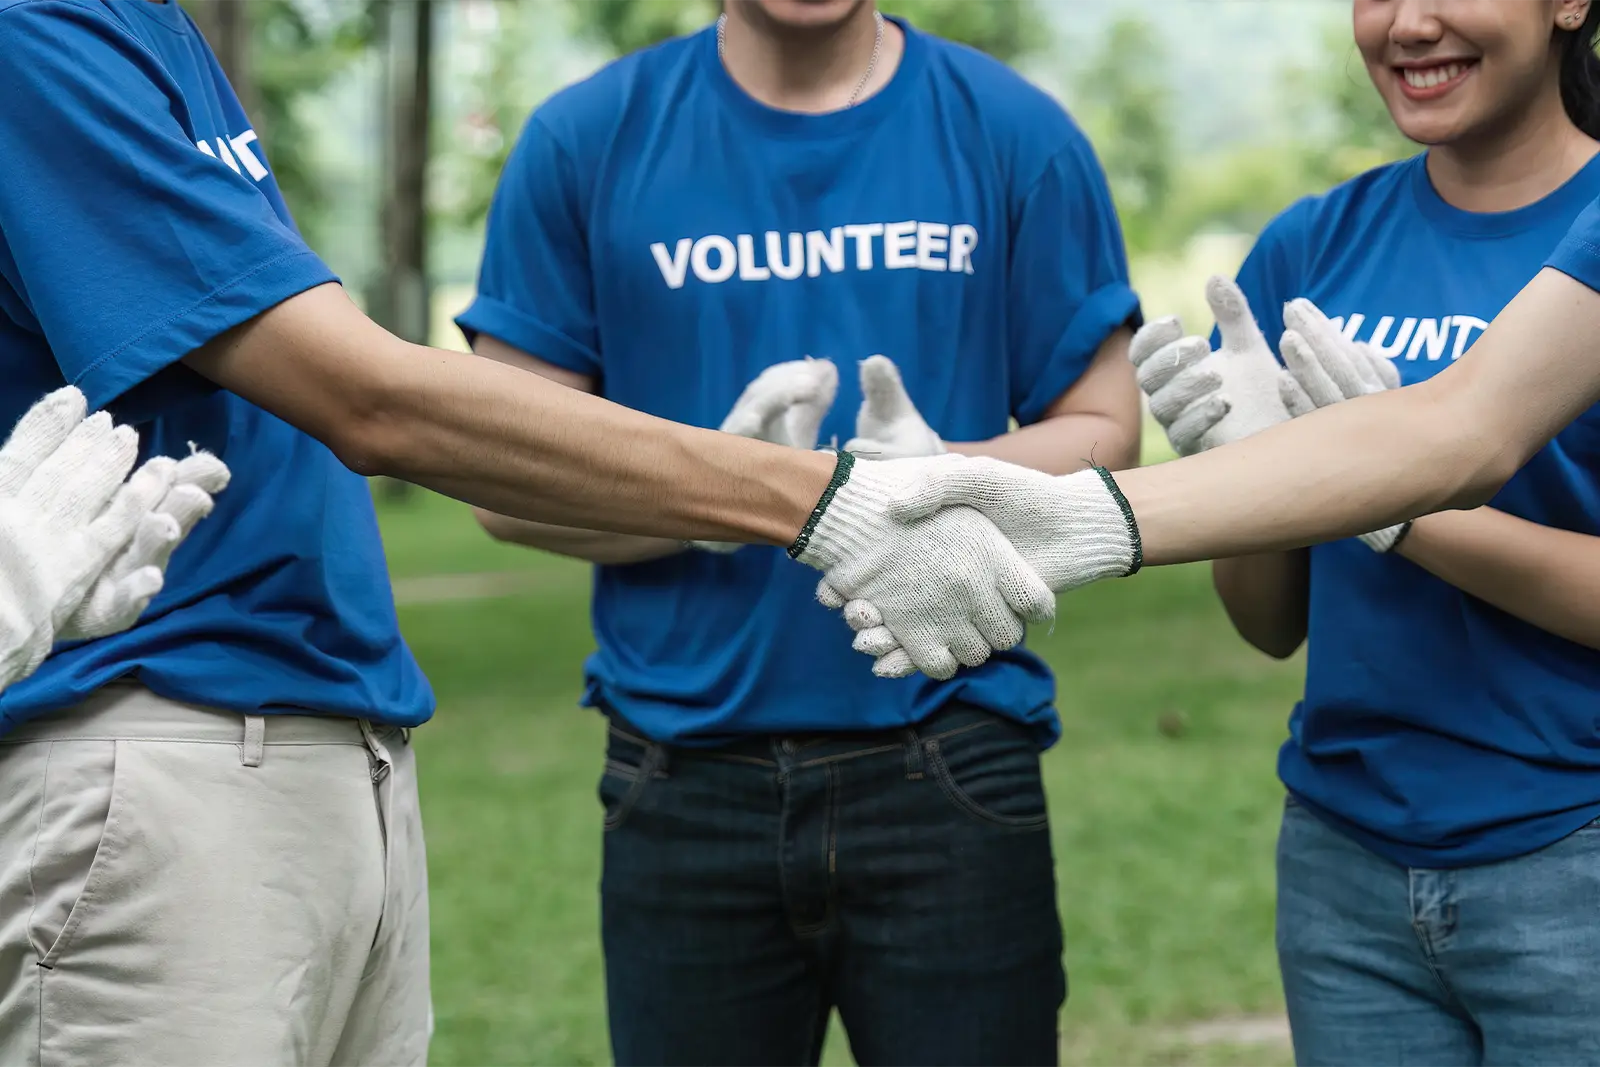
(504, 439)
(1334, 473)
(1326, 475)
(595, 546)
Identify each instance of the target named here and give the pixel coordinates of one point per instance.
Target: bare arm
(1333, 473)
(1096, 421)
(1268, 598)
(1543, 576)
(596, 546)
(501, 438)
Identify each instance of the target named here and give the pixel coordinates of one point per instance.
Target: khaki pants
(180, 885)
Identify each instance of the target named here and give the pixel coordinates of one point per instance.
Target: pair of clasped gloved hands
(84, 546)
(912, 547)
(939, 559)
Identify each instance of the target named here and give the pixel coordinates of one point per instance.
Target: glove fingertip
(896, 664)
(1152, 337)
(1031, 598)
(186, 505)
(876, 642)
(166, 528)
(862, 615)
(828, 596)
(144, 583)
(204, 470)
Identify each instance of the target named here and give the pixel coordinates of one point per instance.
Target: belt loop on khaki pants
(255, 740)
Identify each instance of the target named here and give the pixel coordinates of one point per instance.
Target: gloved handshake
(936, 559)
(83, 546)
(1204, 398)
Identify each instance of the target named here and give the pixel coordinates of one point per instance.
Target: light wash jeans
(1383, 964)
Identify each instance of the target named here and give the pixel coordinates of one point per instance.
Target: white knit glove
(888, 425)
(127, 586)
(947, 588)
(784, 405)
(1328, 367)
(65, 515)
(1203, 398)
(1070, 530)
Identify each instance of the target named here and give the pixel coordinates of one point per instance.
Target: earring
(1573, 19)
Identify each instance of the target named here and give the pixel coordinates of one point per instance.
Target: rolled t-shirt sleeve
(128, 245)
(1069, 288)
(534, 286)
(1578, 254)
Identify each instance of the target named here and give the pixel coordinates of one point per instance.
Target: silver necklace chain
(872, 64)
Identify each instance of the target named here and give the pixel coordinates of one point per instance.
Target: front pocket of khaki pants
(78, 840)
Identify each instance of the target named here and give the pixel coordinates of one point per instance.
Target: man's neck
(809, 73)
(1513, 169)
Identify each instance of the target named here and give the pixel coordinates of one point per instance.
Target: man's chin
(803, 16)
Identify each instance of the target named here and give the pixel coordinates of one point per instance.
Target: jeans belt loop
(913, 754)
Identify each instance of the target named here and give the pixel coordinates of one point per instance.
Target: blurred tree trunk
(402, 296)
(226, 25)
(408, 48)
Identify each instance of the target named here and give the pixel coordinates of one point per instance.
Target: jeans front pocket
(990, 771)
(632, 763)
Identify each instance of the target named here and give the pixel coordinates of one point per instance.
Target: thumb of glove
(884, 398)
(1235, 323)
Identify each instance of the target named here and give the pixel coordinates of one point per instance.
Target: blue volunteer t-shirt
(1435, 729)
(138, 220)
(661, 231)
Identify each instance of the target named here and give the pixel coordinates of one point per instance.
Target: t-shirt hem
(1578, 259)
(1105, 311)
(1038, 716)
(169, 341)
(57, 695)
(505, 323)
(1474, 853)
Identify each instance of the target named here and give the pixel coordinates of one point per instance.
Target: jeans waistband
(954, 717)
(130, 712)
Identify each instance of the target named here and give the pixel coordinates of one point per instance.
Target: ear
(1569, 14)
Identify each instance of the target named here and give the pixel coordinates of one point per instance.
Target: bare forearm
(1364, 464)
(595, 546)
(1063, 444)
(1323, 476)
(1267, 597)
(1543, 576)
(503, 439)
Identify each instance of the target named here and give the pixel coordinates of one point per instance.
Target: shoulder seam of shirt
(76, 4)
(1038, 179)
(572, 161)
(110, 24)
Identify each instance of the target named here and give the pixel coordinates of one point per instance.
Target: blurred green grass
(1163, 843)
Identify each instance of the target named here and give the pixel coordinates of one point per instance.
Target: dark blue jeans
(905, 878)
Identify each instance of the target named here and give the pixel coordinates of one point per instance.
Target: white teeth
(1427, 79)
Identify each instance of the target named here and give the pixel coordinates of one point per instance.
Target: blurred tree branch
(1120, 98)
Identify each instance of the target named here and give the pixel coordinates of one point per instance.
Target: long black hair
(1580, 73)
